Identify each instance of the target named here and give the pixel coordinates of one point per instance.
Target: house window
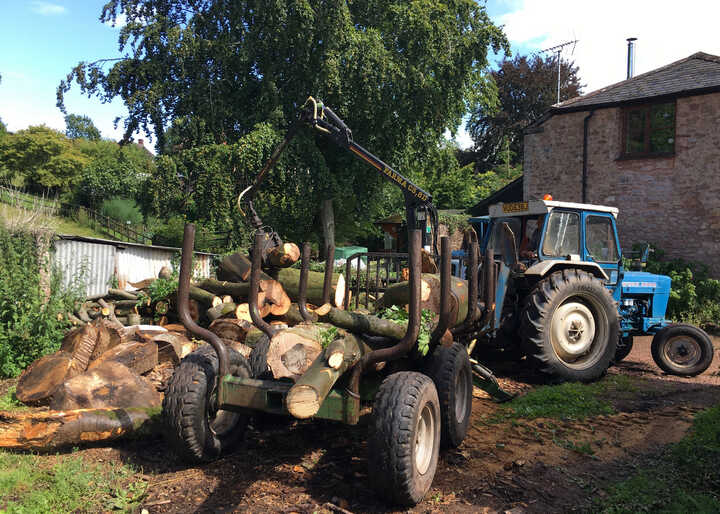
(649, 130)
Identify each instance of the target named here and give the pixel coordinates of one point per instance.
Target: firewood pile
(109, 376)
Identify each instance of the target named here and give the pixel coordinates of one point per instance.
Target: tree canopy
(526, 88)
(195, 72)
(78, 126)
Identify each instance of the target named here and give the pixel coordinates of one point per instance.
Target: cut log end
(303, 401)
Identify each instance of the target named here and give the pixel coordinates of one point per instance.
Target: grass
(9, 402)
(684, 478)
(567, 401)
(57, 224)
(66, 483)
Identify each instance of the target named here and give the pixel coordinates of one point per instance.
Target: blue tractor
(560, 295)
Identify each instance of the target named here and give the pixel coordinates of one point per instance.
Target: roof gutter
(586, 123)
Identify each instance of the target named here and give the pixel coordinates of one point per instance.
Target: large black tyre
(449, 368)
(570, 326)
(404, 439)
(682, 350)
(258, 357)
(624, 347)
(194, 429)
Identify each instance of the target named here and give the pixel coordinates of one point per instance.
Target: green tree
(397, 71)
(81, 127)
(43, 158)
(526, 88)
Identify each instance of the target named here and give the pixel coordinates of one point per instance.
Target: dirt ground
(528, 466)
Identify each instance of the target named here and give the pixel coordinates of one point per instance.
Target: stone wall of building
(673, 202)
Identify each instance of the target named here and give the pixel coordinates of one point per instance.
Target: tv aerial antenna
(557, 50)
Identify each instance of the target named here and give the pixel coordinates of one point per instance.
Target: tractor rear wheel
(682, 350)
(570, 326)
(404, 441)
(195, 428)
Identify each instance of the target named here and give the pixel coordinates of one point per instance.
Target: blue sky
(42, 40)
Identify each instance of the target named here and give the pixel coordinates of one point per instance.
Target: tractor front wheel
(624, 347)
(570, 326)
(682, 350)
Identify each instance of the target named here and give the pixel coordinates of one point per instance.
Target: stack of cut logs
(107, 380)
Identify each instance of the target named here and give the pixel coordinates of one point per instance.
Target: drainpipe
(586, 123)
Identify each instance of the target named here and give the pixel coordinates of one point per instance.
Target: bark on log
(109, 335)
(79, 344)
(238, 290)
(310, 390)
(220, 311)
(365, 324)
(283, 256)
(172, 347)
(49, 430)
(121, 293)
(135, 355)
(234, 268)
(292, 351)
(229, 328)
(290, 280)
(205, 298)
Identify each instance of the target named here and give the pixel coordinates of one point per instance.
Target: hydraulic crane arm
(324, 120)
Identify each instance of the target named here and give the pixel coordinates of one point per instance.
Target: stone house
(649, 145)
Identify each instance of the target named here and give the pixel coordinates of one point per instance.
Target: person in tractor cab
(531, 238)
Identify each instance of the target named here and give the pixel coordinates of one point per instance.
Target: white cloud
(666, 30)
(47, 8)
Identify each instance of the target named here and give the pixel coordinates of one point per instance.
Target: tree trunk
(234, 268)
(310, 390)
(365, 324)
(273, 290)
(49, 430)
(203, 297)
(290, 280)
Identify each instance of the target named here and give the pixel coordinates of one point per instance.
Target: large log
(273, 290)
(172, 347)
(364, 324)
(399, 294)
(49, 430)
(111, 384)
(206, 298)
(138, 356)
(234, 268)
(109, 335)
(230, 328)
(290, 280)
(292, 351)
(80, 343)
(310, 390)
(283, 256)
(40, 380)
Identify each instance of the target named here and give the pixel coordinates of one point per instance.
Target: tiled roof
(700, 71)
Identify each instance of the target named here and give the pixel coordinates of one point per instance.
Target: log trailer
(418, 402)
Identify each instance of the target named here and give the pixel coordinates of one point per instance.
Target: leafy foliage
(427, 324)
(122, 209)
(159, 290)
(327, 336)
(77, 126)
(526, 88)
(32, 310)
(401, 73)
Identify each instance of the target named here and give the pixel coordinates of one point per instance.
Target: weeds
(9, 402)
(684, 478)
(65, 484)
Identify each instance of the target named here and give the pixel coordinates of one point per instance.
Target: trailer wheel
(570, 326)
(404, 439)
(449, 367)
(258, 357)
(624, 347)
(682, 350)
(195, 429)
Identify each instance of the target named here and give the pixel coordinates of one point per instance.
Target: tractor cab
(538, 236)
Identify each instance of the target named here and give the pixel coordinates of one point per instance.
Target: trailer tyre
(195, 429)
(258, 357)
(682, 350)
(570, 326)
(449, 368)
(404, 439)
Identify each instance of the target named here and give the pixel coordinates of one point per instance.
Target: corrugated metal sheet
(91, 263)
(97, 261)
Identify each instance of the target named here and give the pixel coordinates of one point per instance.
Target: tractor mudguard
(543, 268)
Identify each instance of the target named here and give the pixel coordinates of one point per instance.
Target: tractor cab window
(499, 240)
(600, 239)
(562, 234)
